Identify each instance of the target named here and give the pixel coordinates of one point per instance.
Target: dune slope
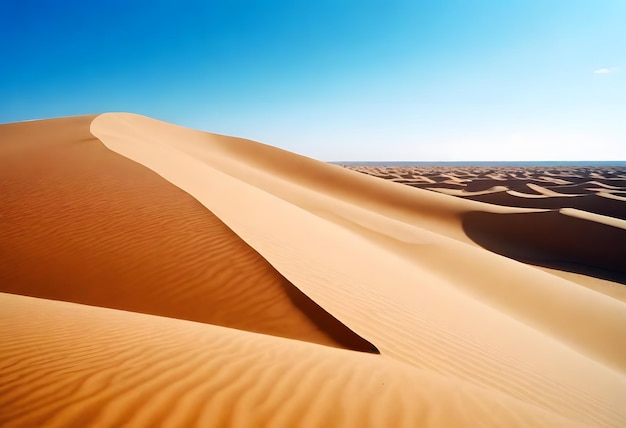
(235, 238)
(81, 223)
(396, 265)
(104, 367)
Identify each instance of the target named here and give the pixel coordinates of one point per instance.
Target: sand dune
(595, 203)
(125, 212)
(588, 189)
(614, 196)
(550, 192)
(592, 196)
(110, 368)
(83, 224)
(606, 186)
(459, 192)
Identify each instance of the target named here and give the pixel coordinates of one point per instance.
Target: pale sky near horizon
(438, 80)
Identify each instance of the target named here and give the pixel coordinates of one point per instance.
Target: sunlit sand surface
(153, 275)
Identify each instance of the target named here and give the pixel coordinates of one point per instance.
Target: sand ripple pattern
(103, 367)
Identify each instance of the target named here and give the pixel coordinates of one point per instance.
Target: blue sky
(336, 80)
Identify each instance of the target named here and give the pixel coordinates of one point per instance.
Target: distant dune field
(153, 275)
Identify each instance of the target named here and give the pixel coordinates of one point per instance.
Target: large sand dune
(86, 225)
(258, 273)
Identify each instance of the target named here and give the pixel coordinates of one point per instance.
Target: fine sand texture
(153, 275)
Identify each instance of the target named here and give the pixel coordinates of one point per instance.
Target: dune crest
(305, 208)
(108, 232)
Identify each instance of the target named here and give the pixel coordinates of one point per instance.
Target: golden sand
(183, 278)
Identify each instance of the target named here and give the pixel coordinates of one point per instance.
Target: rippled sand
(156, 275)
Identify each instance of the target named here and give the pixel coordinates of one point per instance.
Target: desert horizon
(156, 275)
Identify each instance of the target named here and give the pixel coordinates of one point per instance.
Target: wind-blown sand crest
(254, 233)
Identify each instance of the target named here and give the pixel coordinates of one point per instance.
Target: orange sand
(106, 231)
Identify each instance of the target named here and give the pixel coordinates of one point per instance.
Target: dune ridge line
(281, 231)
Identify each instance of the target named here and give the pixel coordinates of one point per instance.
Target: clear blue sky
(335, 79)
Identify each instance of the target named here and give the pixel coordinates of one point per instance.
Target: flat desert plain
(153, 275)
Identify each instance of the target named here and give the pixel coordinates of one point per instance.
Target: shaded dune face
(554, 240)
(83, 224)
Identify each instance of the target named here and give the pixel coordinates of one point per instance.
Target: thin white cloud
(605, 70)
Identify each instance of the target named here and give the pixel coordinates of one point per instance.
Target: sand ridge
(302, 209)
(240, 228)
(105, 231)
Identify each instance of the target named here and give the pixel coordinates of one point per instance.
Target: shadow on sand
(552, 240)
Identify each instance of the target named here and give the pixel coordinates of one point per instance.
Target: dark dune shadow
(327, 323)
(552, 240)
